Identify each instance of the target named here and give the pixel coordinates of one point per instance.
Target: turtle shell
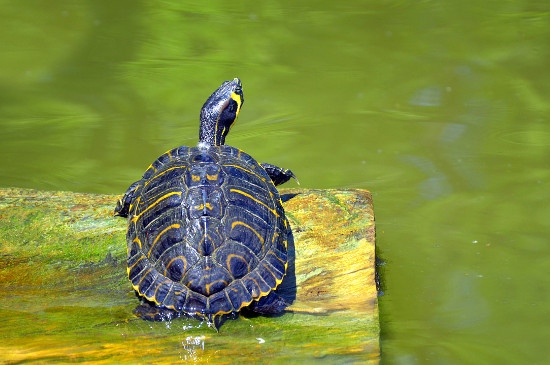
(207, 233)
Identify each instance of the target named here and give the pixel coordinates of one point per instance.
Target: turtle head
(220, 112)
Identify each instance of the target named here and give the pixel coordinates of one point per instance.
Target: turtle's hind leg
(153, 313)
(273, 303)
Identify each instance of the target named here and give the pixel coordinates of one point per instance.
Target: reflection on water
(428, 96)
(440, 108)
(435, 185)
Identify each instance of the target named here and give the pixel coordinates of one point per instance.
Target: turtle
(207, 232)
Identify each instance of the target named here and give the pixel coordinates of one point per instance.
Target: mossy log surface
(65, 296)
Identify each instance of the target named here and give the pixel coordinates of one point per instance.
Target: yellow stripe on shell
(247, 226)
(172, 261)
(136, 217)
(143, 277)
(271, 272)
(165, 171)
(258, 295)
(250, 172)
(201, 207)
(256, 200)
(228, 262)
(138, 241)
(135, 202)
(262, 294)
(207, 286)
(154, 297)
(277, 257)
(128, 268)
(171, 306)
(160, 234)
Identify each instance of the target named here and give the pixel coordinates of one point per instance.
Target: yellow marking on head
(238, 99)
(239, 102)
(165, 171)
(247, 226)
(136, 217)
(256, 200)
(160, 234)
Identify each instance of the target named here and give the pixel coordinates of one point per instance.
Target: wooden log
(64, 294)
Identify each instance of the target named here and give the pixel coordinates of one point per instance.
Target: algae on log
(65, 295)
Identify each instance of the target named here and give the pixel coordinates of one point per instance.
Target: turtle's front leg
(278, 175)
(123, 205)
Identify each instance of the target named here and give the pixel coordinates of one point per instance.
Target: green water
(439, 108)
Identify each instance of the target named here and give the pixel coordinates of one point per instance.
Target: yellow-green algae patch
(64, 295)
